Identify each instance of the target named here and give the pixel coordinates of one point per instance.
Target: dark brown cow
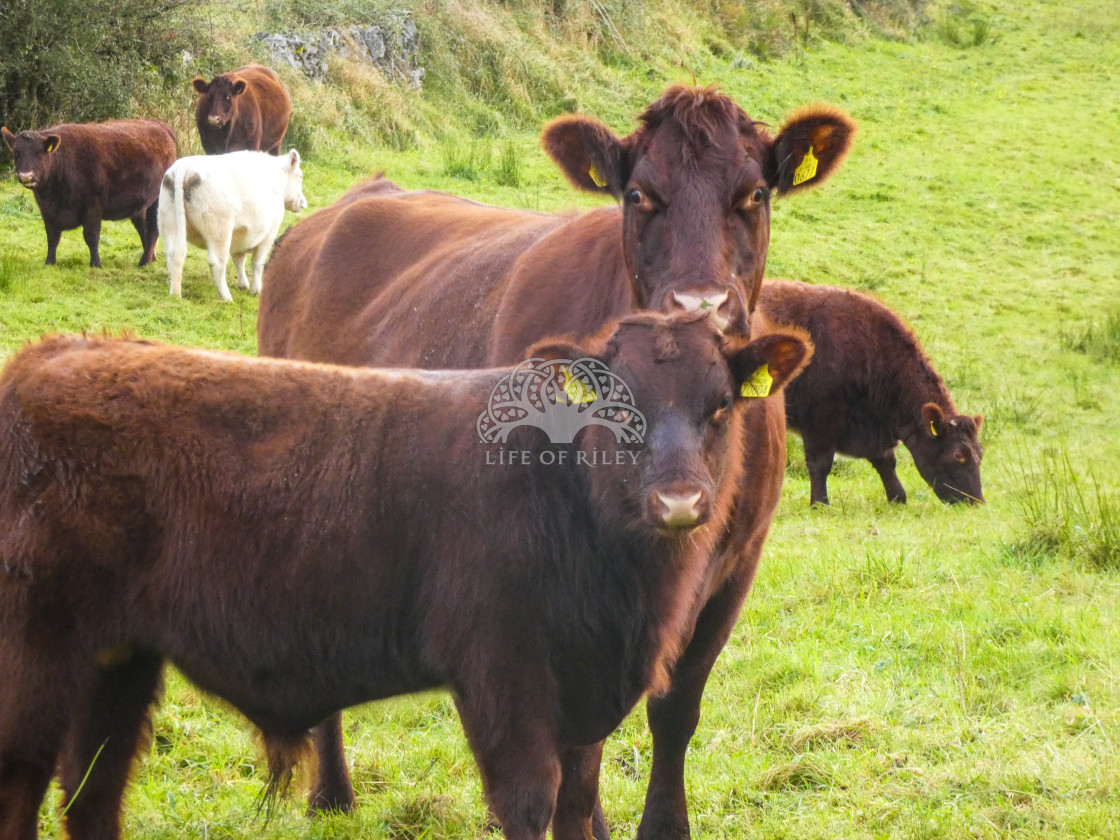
(390, 277)
(870, 386)
(245, 109)
(84, 173)
(131, 474)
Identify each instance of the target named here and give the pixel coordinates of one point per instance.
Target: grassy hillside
(915, 672)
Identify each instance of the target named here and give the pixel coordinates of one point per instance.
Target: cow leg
(217, 254)
(577, 803)
(146, 224)
(102, 744)
(885, 465)
(517, 755)
(819, 461)
(35, 709)
(239, 264)
(673, 717)
(54, 234)
(175, 253)
(91, 232)
(260, 258)
(332, 789)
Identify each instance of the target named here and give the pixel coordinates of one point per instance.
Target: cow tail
(284, 753)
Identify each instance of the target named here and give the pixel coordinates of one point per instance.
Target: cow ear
(763, 366)
(589, 154)
(293, 159)
(933, 419)
(979, 421)
(810, 147)
(9, 138)
(53, 142)
(200, 84)
(239, 87)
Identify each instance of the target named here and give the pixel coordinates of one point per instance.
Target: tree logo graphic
(560, 397)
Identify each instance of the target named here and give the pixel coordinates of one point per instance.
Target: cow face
(695, 182)
(293, 187)
(32, 151)
(689, 382)
(948, 454)
(223, 91)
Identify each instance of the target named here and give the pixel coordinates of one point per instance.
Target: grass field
(898, 672)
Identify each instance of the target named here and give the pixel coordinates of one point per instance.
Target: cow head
(695, 181)
(221, 106)
(293, 186)
(32, 152)
(947, 454)
(691, 384)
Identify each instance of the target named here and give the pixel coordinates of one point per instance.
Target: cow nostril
(679, 510)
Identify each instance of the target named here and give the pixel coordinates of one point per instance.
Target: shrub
(99, 59)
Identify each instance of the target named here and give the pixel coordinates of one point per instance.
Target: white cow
(231, 203)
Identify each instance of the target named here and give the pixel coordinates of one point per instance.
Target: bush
(62, 61)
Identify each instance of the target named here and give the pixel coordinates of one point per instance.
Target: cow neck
(915, 383)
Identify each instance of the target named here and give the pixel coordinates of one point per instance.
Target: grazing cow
(424, 279)
(82, 174)
(245, 109)
(227, 204)
(870, 386)
(131, 473)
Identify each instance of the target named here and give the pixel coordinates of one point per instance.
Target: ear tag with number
(759, 384)
(807, 169)
(599, 180)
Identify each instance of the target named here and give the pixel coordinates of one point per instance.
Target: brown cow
(245, 109)
(424, 279)
(132, 473)
(84, 173)
(870, 386)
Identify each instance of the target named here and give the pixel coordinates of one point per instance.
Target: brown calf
(82, 174)
(131, 473)
(245, 109)
(870, 386)
(425, 279)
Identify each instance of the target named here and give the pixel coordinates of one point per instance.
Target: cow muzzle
(28, 179)
(724, 308)
(680, 508)
(216, 120)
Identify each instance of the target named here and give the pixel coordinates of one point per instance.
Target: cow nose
(26, 178)
(723, 308)
(685, 509)
(214, 120)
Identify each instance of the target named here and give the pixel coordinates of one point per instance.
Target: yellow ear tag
(599, 180)
(759, 384)
(932, 430)
(807, 169)
(574, 390)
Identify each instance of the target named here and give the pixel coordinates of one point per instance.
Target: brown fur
(280, 531)
(89, 172)
(251, 107)
(387, 276)
(870, 386)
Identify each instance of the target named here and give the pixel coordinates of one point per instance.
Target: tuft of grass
(964, 24)
(1098, 339)
(1066, 514)
(804, 772)
(844, 732)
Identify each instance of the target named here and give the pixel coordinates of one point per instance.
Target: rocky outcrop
(392, 44)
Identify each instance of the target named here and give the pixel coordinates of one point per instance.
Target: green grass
(898, 672)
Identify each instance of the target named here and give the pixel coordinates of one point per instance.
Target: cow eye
(635, 196)
(962, 457)
(759, 195)
(719, 416)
